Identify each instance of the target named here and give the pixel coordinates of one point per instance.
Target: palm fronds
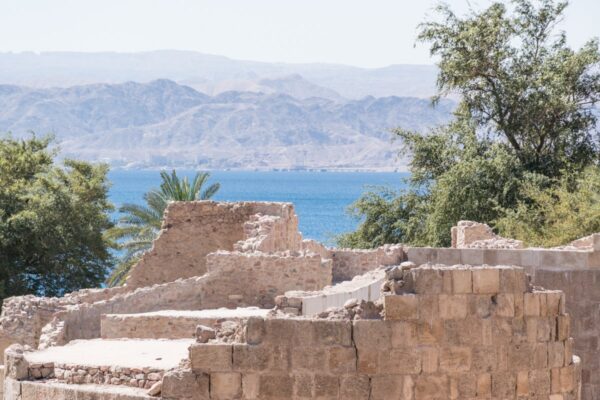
(139, 225)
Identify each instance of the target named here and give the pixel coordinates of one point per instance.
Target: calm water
(320, 198)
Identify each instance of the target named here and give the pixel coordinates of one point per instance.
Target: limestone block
(255, 330)
(184, 383)
(400, 361)
(404, 307)
(455, 359)
(371, 334)
(472, 256)
(304, 385)
(523, 383)
(327, 386)
(429, 359)
(453, 306)
(276, 386)
(486, 280)
(419, 255)
(462, 281)
(384, 387)
(564, 327)
(430, 332)
(328, 333)
(428, 307)
(425, 280)
(503, 385)
(505, 305)
(355, 387)
(250, 357)
(513, 279)
(539, 381)
(211, 357)
(225, 385)
(431, 387)
(15, 364)
(484, 385)
(308, 359)
(250, 386)
(343, 360)
(403, 333)
(531, 305)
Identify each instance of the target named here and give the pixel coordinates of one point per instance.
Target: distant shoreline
(340, 170)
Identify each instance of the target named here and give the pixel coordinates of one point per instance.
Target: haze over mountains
(185, 109)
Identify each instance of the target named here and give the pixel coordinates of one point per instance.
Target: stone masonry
(454, 333)
(397, 322)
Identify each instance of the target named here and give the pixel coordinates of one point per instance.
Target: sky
(366, 33)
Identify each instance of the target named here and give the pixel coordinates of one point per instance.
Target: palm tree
(139, 225)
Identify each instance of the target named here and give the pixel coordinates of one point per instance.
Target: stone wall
(24, 317)
(255, 279)
(234, 279)
(582, 290)
(366, 287)
(574, 269)
(473, 235)
(192, 230)
(457, 333)
(348, 263)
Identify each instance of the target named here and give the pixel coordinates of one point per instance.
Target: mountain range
(210, 74)
(287, 122)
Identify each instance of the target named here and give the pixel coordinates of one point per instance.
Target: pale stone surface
(170, 324)
(129, 353)
(458, 331)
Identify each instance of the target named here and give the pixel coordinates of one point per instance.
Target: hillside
(162, 123)
(211, 74)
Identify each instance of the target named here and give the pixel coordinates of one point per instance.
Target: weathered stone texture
(192, 230)
(440, 340)
(254, 279)
(348, 263)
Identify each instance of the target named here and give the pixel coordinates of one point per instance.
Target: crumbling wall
(254, 279)
(233, 279)
(24, 317)
(457, 333)
(348, 263)
(475, 235)
(191, 230)
(270, 233)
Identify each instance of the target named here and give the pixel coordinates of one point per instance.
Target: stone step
(170, 324)
(127, 362)
(52, 390)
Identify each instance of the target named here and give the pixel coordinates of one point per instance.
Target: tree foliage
(52, 220)
(139, 224)
(557, 215)
(526, 117)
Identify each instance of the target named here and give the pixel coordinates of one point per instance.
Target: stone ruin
(232, 303)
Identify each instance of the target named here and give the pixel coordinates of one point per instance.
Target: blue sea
(321, 199)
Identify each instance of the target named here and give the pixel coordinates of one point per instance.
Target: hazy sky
(368, 33)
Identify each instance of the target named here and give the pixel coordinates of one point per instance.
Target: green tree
(557, 215)
(52, 220)
(526, 116)
(139, 225)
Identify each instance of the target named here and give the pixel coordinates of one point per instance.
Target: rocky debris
(204, 334)
(143, 378)
(354, 310)
(155, 389)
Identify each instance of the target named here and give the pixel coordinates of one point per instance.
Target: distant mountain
(162, 123)
(212, 74)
